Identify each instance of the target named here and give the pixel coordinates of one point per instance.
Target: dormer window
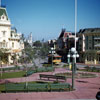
(3, 17)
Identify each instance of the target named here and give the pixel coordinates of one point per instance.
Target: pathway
(85, 89)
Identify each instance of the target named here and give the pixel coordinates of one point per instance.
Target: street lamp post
(52, 52)
(74, 55)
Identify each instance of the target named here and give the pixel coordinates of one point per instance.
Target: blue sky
(46, 18)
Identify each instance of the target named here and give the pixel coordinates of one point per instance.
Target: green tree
(4, 55)
(29, 52)
(44, 50)
(37, 44)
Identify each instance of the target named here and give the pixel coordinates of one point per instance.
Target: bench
(52, 76)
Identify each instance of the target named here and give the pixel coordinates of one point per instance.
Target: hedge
(37, 87)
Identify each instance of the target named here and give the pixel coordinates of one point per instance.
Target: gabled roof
(89, 30)
(62, 33)
(3, 11)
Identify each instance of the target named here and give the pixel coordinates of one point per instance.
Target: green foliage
(78, 75)
(43, 51)
(37, 44)
(11, 68)
(3, 55)
(66, 66)
(39, 51)
(90, 69)
(42, 69)
(55, 82)
(2, 87)
(47, 65)
(13, 74)
(21, 87)
(29, 53)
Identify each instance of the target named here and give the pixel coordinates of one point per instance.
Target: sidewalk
(86, 89)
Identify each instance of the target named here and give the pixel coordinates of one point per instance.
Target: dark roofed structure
(3, 12)
(89, 30)
(62, 33)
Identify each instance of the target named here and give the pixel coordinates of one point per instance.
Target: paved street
(85, 89)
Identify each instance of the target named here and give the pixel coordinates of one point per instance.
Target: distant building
(30, 40)
(89, 45)
(9, 38)
(52, 43)
(65, 42)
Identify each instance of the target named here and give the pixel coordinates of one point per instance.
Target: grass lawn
(13, 74)
(2, 87)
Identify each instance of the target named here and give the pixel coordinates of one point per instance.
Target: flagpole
(75, 21)
(75, 24)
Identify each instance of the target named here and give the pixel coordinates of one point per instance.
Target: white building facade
(9, 38)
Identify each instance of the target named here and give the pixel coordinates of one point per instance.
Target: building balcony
(14, 38)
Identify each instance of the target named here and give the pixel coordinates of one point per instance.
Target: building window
(11, 34)
(4, 33)
(12, 44)
(86, 42)
(87, 58)
(3, 44)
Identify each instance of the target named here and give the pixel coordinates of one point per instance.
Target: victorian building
(65, 42)
(89, 45)
(10, 40)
